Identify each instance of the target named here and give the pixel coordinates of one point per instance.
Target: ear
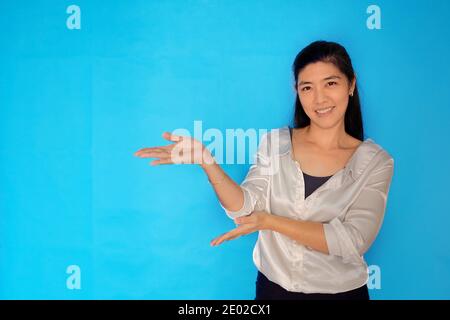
(353, 84)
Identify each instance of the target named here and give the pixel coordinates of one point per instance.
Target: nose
(319, 96)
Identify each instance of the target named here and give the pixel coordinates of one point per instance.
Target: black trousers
(268, 290)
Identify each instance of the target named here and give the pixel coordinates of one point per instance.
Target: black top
(311, 182)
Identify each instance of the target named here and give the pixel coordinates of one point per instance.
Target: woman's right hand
(185, 150)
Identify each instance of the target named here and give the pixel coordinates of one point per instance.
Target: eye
(332, 82)
(303, 89)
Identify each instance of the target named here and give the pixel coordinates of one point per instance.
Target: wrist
(268, 221)
(208, 160)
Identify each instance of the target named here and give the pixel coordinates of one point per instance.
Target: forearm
(228, 192)
(307, 233)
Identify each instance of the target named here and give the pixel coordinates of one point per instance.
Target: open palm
(185, 150)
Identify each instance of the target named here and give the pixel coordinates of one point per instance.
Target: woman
(317, 192)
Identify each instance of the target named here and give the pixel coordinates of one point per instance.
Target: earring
(351, 94)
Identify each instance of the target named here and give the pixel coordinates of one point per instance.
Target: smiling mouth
(324, 111)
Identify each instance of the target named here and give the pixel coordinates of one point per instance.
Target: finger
(227, 236)
(154, 149)
(238, 221)
(214, 241)
(238, 232)
(234, 237)
(172, 137)
(161, 161)
(233, 234)
(243, 220)
(153, 154)
(217, 241)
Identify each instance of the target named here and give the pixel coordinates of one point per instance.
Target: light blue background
(76, 104)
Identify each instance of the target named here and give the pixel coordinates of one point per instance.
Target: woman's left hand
(257, 220)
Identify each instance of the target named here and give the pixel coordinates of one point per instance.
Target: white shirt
(350, 204)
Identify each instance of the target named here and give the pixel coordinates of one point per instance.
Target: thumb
(171, 137)
(240, 220)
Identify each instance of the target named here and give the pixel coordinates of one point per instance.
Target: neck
(326, 138)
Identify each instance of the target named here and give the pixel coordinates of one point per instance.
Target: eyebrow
(327, 78)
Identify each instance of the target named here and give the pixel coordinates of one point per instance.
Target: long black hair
(335, 53)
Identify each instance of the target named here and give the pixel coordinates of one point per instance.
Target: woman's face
(324, 92)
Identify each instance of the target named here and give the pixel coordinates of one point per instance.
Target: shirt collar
(356, 164)
(362, 157)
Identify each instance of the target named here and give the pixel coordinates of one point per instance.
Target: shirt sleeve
(352, 236)
(255, 186)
